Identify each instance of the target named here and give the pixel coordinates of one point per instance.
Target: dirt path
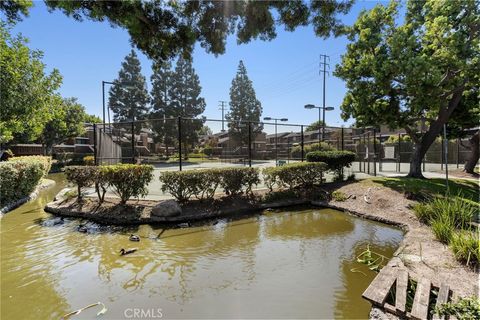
(420, 252)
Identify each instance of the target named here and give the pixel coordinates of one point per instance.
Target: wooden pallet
(393, 274)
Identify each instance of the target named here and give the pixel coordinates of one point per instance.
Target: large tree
(14, 9)
(164, 29)
(128, 95)
(187, 102)
(26, 90)
(162, 116)
(244, 107)
(398, 74)
(67, 122)
(467, 116)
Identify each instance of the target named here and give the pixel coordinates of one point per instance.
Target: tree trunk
(416, 160)
(422, 146)
(474, 153)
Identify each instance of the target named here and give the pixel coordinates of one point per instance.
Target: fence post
(302, 142)
(374, 152)
(249, 143)
(443, 153)
(368, 152)
(133, 142)
(95, 144)
(343, 137)
(399, 155)
(380, 156)
(180, 143)
(458, 152)
(365, 148)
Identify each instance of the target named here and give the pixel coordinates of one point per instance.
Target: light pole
(320, 109)
(275, 119)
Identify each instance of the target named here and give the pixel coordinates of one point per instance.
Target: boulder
(62, 195)
(167, 208)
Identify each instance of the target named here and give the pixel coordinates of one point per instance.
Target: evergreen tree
(129, 96)
(165, 130)
(186, 101)
(244, 106)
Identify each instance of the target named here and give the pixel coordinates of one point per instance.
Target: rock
(62, 195)
(168, 208)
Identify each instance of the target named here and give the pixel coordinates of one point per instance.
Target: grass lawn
(466, 189)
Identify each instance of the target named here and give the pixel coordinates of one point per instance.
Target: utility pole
(223, 108)
(323, 68)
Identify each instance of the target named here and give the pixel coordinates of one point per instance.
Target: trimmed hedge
(45, 161)
(302, 175)
(202, 184)
(82, 176)
(335, 160)
(20, 177)
(127, 180)
(296, 152)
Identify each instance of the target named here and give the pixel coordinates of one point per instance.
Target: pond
(294, 263)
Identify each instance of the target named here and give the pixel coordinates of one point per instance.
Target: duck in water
(124, 252)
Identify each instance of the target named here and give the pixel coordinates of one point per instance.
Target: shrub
(202, 184)
(335, 160)
(183, 184)
(82, 176)
(296, 175)
(458, 211)
(89, 160)
(462, 309)
(128, 180)
(19, 178)
(466, 246)
(208, 151)
(45, 161)
(238, 180)
(339, 196)
(443, 229)
(296, 152)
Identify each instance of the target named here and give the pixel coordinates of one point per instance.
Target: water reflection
(294, 264)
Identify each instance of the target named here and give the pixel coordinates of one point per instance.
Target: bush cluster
(45, 161)
(302, 175)
(450, 221)
(202, 184)
(335, 160)
(126, 180)
(296, 152)
(20, 176)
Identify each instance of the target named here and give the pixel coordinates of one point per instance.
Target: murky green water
(291, 264)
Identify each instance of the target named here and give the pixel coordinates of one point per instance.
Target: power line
(323, 68)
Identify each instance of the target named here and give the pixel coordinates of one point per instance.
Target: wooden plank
(441, 299)
(420, 301)
(454, 299)
(401, 290)
(378, 289)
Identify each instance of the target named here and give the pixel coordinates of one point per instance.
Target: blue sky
(284, 71)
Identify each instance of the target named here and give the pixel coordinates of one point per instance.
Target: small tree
(315, 126)
(244, 106)
(129, 96)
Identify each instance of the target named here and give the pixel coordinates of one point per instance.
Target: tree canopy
(27, 92)
(128, 95)
(315, 126)
(399, 74)
(164, 29)
(244, 106)
(67, 122)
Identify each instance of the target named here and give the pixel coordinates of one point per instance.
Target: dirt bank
(420, 252)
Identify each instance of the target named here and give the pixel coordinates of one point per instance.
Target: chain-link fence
(178, 143)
